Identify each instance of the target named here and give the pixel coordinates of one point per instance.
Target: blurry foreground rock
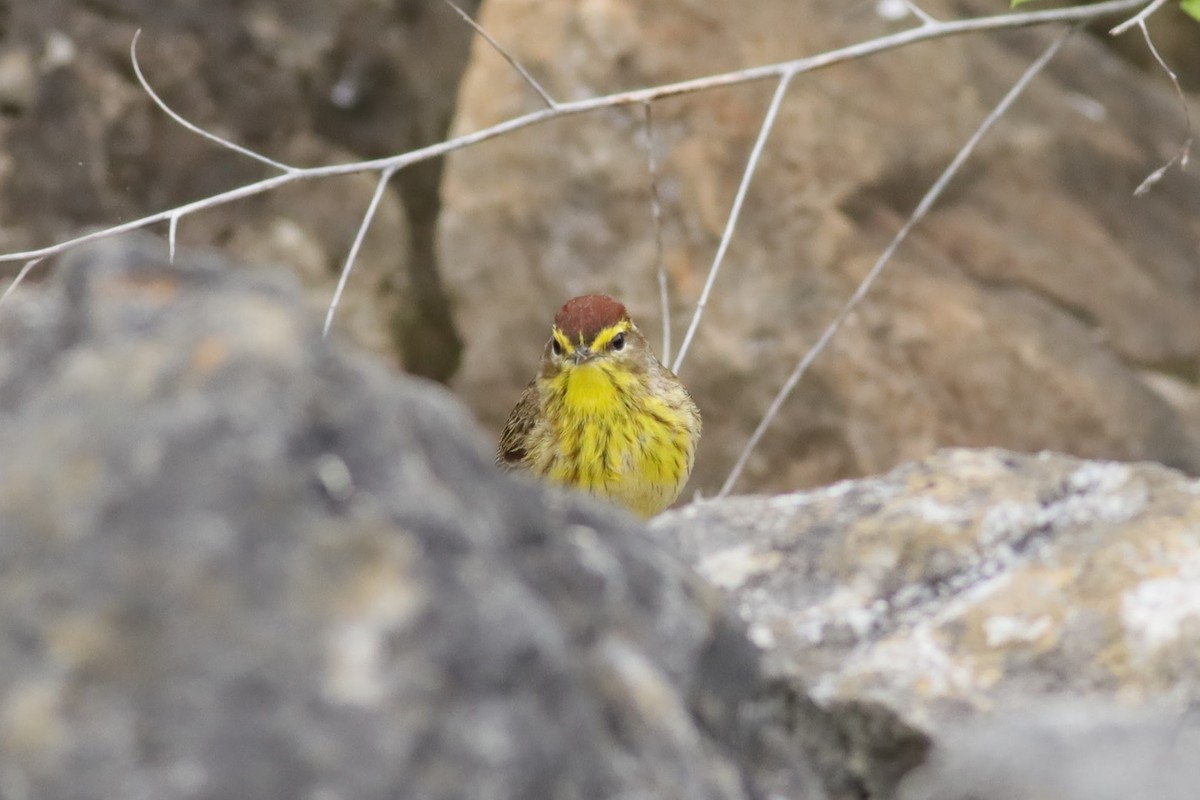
(1053, 591)
(239, 563)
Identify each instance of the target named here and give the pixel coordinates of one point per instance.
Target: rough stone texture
(1040, 306)
(1015, 608)
(241, 563)
(301, 81)
(971, 581)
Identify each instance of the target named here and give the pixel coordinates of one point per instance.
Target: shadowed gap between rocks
(403, 101)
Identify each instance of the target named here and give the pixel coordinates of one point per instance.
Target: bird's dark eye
(618, 341)
(556, 347)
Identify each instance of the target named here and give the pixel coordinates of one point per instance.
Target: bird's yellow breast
(614, 439)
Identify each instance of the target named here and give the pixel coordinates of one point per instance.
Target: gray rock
(970, 581)
(1036, 616)
(242, 563)
(1066, 754)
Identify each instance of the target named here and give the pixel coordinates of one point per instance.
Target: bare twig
(520, 68)
(29, 265)
(1139, 18)
(734, 213)
(1180, 157)
(917, 12)
(196, 129)
(172, 230)
(659, 257)
(918, 214)
(353, 254)
(795, 67)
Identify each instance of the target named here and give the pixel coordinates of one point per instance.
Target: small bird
(603, 414)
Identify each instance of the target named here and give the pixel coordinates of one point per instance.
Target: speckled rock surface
(968, 582)
(239, 563)
(1037, 616)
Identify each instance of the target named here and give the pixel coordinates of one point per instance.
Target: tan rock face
(971, 581)
(1039, 306)
(82, 145)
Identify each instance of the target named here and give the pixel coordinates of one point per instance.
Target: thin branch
(1138, 19)
(29, 265)
(1181, 157)
(917, 12)
(196, 129)
(524, 73)
(918, 214)
(354, 248)
(659, 258)
(734, 213)
(737, 77)
(172, 229)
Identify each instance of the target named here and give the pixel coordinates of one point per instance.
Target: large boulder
(240, 562)
(1037, 616)
(969, 581)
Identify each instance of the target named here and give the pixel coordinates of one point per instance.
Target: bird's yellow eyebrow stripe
(608, 334)
(603, 338)
(563, 341)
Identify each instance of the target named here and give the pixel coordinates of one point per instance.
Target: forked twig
(1181, 156)
(29, 265)
(918, 214)
(1138, 18)
(353, 254)
(191, 126)
(916, 11)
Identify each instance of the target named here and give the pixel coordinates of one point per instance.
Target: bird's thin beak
(581, 354)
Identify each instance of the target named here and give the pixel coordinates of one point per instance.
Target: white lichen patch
(356, 651)
(1002, 630)
(1007, 520)
(846, 609)
(732, 567)
(1104, 508)
(871, 490)
(356, 673)
(762, 635)
(1098, 494)
(938, 513)
(1099, 476)
(1155, 611)
(793, 501)
(917, 664)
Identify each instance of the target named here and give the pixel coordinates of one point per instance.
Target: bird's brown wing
(513, 448)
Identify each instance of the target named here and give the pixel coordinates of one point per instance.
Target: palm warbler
(603, 414)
